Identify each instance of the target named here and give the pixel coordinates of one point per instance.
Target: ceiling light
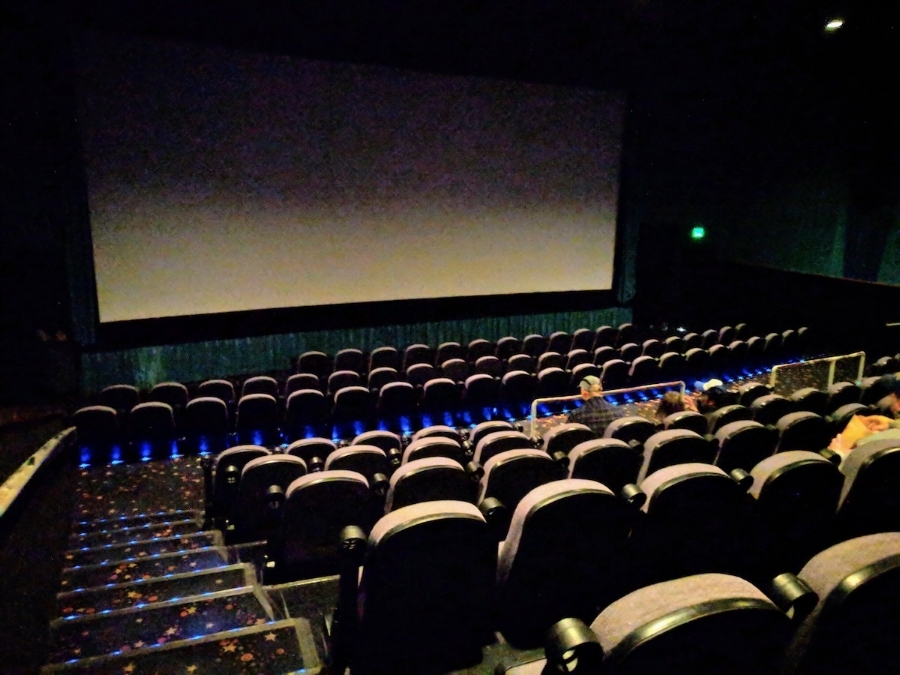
(834, 24)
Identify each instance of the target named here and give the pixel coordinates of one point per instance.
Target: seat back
(726, 415)
(674, 446)
(743, 445)
(448, 351)
(317, 507)
(221, 389)
(550, 360)
(379, 377)
(552, 382)
(605, 336)
(309, 449)
(583, 338)
(559, 342)
(604, 354)
(255, 521)
(708, 623)
(630, 428)
(151, 422)
(385, 440)
(419, 373)
(870, 496)
(384, 357)
(687, 419)
(440, 395)
(207, 417)
(440, 430)
(481, 391)
(352, 404)
(842, 393)
(489, 365)
(796, 495)
(455, 370)
(434, 446)
(653, 348)
(574, 525)
(802, 431)
(770, 408)
(614, 374)
(366, 460)
(511, 475)
(427, 480)
(173, 393)
(608, 461)
(426, 590)
(306, 414)
(479, 431)
(120, 397)
(416, 354)
(629, 352)
(500, 441)
(750, 391)
(261, 384)
(563, 437)
(507, 347)
(810, 399)
(350, 359)
(534, 345)
(853, 627)
(227, 468)
(257, 419)
(478, 348)
(644, 370)
(300, 381)
(315, 362)
(342, 378)
(96, 426)
(396, 399)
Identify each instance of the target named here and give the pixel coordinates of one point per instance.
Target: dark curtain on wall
(195, 362)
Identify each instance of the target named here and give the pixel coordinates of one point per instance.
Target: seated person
(596, 413)
(673, 402)
(865, 428)
(713, 396)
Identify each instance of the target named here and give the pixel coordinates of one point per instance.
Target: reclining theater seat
(151, 427)
(687, 419)
(261, 384)
(439, 430)
(97, 427)
(384, 357)
(485, 428)
(120, 397)
(434, 446)
(386, 440)
(206, 424)
(317, 363)
(511, 475)
(707, 623)
(854, 626)
(366, 460)
(221, 389)
(564, 556)
(564, 437)
(254, 521)
(426, 589)
(316, 508)
(674, 446)
(428, 480)
(698, 519)
(870, 496)
(500, 441)
(340, 379)
(350, 359)
(257, 419)
(522, 362)
(796, 495)
(608, 461)
(448, 351)
(314, 451)
(743, 444)
(227, 468)
(299, 381)
(306, 414)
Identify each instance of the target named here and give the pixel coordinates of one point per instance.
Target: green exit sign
(698, 232)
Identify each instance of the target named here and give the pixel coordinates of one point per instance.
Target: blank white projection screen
(222, 181)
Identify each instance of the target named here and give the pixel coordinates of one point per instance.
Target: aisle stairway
(154, 593)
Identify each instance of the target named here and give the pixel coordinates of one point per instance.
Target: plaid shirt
(597, 414)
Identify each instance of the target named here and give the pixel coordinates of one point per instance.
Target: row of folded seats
(532, 540)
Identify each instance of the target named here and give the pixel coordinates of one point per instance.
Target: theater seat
(350, 359)
(727, 415)
(340, 379)
(385, 440)
(479, 431)
(366, 460)
(384, 357)
(396, 400)
(796, 496)
(313, 451)
(511, 475)
(489, 365)
(434, 446)
(426, 589)
(698, 519)
(854, 626)
(315, 362)
(507, 347)
(564, 556)
(705, 623)
(770, 408)
(221, 389)
(605, 460)
(441, 430)
(299, 381)
(870, 496)
(257, 420)
(674, 446)
(380, 377)
(810, 399)
(260, 384)
(151, 428)
(802, 431)
(479, 348)
(428, 480)
(455, 370)
(687, 419)
(743, 444)
(227, 468)
(630, 428)
(559, 342)
(206, 424)
(120, 397)
(255, 519)
(500, 441)
(98, 431)
(563, 437)
(306, 414)
(317, 508)
(522, 362)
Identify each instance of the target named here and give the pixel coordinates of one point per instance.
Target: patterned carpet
(142, 488)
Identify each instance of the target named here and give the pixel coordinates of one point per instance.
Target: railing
(781, 372)
(612, 392)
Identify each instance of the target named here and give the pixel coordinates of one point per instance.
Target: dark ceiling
(621, 43)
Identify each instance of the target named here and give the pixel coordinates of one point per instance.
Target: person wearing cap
(596, 413)
(712, 395)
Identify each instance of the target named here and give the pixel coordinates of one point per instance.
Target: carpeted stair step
(86, 576)
(97, 555)
(281, 648)
(133, 521)
(136, 593)
(134, 534)
(157, 624)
